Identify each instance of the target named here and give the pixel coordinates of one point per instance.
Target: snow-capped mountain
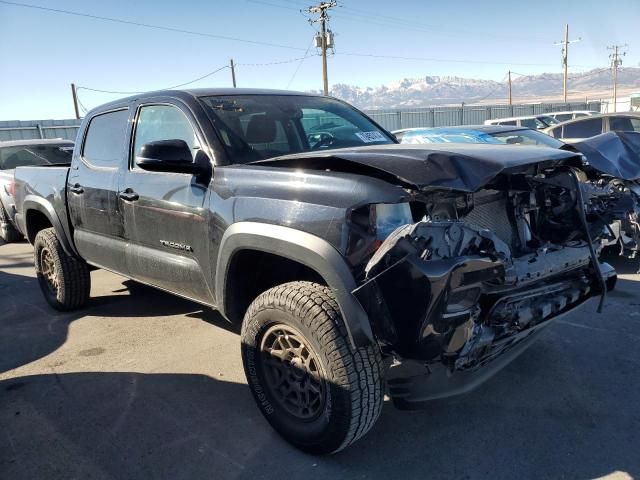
(436, 90)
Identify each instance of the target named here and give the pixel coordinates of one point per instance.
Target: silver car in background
(586, 127)
(20, 153)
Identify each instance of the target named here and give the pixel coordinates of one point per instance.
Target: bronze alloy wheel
(63, 279)
(311, 384)
(292, 372)
(48, 269)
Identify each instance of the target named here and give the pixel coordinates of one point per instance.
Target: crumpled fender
(613, 153)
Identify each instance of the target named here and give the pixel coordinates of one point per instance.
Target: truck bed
(45, 188)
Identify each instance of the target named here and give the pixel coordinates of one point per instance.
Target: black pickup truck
(356, 266)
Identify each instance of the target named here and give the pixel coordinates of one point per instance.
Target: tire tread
(75, 287)
(359, 370)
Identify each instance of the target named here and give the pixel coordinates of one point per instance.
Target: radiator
(490, 212)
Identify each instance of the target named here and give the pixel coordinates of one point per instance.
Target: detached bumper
(412, 383)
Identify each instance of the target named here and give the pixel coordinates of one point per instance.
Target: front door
(166, 214)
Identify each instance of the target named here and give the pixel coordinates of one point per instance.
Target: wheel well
(35, 221)
(252, 272)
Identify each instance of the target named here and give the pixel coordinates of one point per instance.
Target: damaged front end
(459, 293)
(611, 181)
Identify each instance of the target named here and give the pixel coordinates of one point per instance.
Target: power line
(396, 22)
(149, 25)
(167, 88)
(445, 60)
(295, 73)
(588, 74)
(278, 62)
(500, 84)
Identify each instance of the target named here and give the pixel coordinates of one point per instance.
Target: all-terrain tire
(306, 314)
(8, 232)
(65, 281)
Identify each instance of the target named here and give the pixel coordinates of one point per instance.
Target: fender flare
(43, 206)
(304, 248)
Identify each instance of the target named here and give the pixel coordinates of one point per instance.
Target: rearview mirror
(171, 156)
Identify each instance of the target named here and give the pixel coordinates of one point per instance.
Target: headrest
(261, 129)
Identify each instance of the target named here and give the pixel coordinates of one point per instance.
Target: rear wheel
(313, 387)
(65, 281)
(8, 232)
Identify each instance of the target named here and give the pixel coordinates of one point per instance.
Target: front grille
(490, 212)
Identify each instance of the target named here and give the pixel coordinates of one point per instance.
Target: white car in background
(571, 115)
(534, 122)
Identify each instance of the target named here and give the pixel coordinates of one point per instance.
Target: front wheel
(65, 281)
(318, 391)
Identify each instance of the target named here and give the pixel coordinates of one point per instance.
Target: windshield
(548, 120)
(35, 155)
(444, 136)
(527, 137)
(257, 127)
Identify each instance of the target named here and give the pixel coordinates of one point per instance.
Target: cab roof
(193, 93)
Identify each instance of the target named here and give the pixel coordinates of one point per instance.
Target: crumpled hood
(614, 153)
(460, 167)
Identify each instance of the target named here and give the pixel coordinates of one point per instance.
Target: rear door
(166, 214)
(92, 190)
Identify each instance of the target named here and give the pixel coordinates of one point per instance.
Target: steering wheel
(323, 139)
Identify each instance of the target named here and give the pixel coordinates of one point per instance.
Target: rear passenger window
(528, 123)
(509, 122)
(620, 124)
(563, 117)
(583, 129)
(556, 132)
(105, 139)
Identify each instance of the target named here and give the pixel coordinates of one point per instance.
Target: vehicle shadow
(31, 329)
(546, 416)
(566, 408)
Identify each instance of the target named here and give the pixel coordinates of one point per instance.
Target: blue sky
(43, 52)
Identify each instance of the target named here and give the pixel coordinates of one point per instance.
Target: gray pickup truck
(356, 266)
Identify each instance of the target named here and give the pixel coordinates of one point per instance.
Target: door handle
(129, 196)
(77, 188)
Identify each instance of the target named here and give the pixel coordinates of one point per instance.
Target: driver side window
(163, 122)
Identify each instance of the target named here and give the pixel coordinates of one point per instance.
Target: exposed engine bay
(481, 271)
(617, 201)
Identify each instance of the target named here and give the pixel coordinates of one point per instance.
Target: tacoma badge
(177, 246)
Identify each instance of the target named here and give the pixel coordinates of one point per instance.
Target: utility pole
(75, 100)
(510, 97)
(233, 73)
(324, 39)
(565, 59)
(616, 61)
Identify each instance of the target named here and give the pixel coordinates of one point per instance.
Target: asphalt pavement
(142, 384)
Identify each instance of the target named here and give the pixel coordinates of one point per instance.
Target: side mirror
(172, 156)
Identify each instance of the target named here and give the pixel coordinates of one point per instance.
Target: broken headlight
(386, 217)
